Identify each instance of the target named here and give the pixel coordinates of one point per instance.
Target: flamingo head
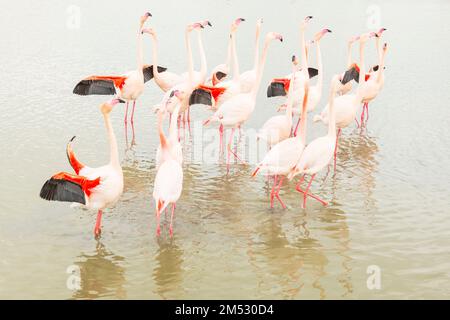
(274, 36)
(177, 94)
(295, 171)
(385, 47)
(259, 23)
(304, 23)
(380, 32)
(194, 26)
(145, 17)
(106, 107)
(206, 23)
(219, 73)
(320, 34)
(236, 24)
(295, 60)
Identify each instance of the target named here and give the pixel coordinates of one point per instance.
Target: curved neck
(256, 56)
(234, 59)
(260, 70)
(362, 72)
(379, 52)
(349, 54)
(204, 66)
(173, 129)
(304, 115)
(140, 53)
(113, 152)
(190, 60)
(331, 115)
(155, 58)
(380, 72)
(303, 62)
(319, 68)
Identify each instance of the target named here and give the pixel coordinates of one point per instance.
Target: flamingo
(278, 128)
(315, 92)
(173, 142)
(283, 156)
(248, 78)
(280, 86)
(318, 153)
(346, 106)
(95, 188)
(129, 86)
(344, 88)
(235, 111)
(376, 77)
(187, 85)
(169, 179)
(215, 96)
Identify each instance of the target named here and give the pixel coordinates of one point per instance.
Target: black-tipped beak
(309, 17)
(242, 19)
(209, 24)
(328, 30)
(281, 39)
(121, 101)
(149, 14)
(293, 58)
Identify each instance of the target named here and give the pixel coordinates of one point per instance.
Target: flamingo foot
(312, 196)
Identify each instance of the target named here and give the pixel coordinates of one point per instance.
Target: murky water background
(389, 199)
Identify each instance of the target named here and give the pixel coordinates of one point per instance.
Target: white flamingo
(95, 188)
(346, 106)
(235, 111)
(168, 183)
(319, 152)
(283, 156)
(128, 87)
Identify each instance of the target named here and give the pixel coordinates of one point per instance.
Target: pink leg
(98, 223)
(367, 112)
(277, 193)
(126, 114)
(158, 227)
(132, 112)
(171, 220)
(189, 119)
(296, 127)
(336, 147)
(221, 140)
(362, 114)
(272, 193)
(305, 195)
(229, 149)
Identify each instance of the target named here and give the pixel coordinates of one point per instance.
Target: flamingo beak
(148, 14)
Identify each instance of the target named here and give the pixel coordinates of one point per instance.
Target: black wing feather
(100, 87)
(200, 96)
(313, 72)
(349, 75)
(148, 72)
(62, 190)
(275, 89)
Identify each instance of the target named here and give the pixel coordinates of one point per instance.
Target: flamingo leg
(277, 192)
(305, 195)
(336, 148)
(357, 123)
(98, 223)
(126, 114)
(367, 112)
(296, 127)
(158, 227)
(272, 193)
(363, 113)
(221, 140)
(229, 149)
(171, 220)
(132, 112)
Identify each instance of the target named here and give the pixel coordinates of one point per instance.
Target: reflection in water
(168, 272)
(102, 275)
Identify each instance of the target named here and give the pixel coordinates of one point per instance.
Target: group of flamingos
(232, 101)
